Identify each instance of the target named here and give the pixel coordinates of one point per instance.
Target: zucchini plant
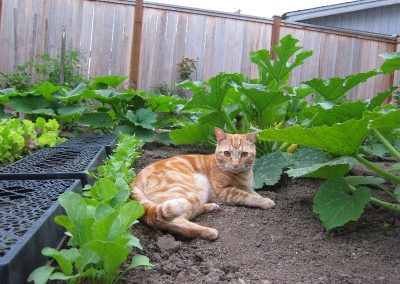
(340, 131)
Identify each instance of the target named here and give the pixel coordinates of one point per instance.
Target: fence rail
(103, 31)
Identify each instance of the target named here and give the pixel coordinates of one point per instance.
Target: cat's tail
(158, 213)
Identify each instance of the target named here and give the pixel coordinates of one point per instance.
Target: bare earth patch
(286, 244)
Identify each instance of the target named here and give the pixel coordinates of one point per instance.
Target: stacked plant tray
(107, 141)
(29, 190)
(27, 211)
(57, 163)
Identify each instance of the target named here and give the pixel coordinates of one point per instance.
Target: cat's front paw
(266, 203)
(210, 234)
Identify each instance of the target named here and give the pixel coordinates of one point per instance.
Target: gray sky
(262, 8)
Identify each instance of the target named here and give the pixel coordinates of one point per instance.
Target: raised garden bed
(107, 141)
(27, 211)
(57, 163)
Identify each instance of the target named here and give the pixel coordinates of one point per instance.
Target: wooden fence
(104, 31)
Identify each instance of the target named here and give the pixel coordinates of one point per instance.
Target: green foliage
(20, 136)
(336, 204)
(98, 225)
(241, 105)
(99, 105)
(45, 69)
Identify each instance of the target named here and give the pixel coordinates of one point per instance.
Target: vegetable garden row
(310, 131)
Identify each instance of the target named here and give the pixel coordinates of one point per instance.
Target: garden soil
(286, 244)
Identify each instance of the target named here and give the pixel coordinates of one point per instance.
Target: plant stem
(229, 122)
(384, 204)
(376, 201)
(372, 166)
(387, 145)
(387, 191)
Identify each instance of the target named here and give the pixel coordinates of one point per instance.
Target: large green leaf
(380, 98)
(268, 168)
(96, 120)
(323, 115)
(342, 138)
(391, 62)
(211, 95)
(165, 103)
(277, 71)
(31, 104)
(70, 111)
(306, 157)
(6, 94)
(47, 89)
(335, 88)
(107, 81)
(387, 121)
(192, 134)
(326, 170)
(261, 98)
(336, 206)
(145, 118)
(77, 93)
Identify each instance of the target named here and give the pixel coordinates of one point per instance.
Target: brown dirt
(286, 244)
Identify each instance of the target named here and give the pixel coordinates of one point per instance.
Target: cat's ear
(219, 134)
(251, 137)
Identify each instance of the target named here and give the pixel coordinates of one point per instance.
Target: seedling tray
(27, 211)
(57, 163)
(107, 141)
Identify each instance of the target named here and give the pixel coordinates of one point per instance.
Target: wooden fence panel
(101, 31)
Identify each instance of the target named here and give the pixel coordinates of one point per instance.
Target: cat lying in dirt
(175, 190)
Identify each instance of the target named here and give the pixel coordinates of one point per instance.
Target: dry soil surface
(286, 244)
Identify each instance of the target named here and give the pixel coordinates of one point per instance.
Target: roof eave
(336, 9)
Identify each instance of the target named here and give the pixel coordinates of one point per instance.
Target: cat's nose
(235, 166)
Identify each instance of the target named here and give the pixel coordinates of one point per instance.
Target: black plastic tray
(27, 211)
(57, 163)
(107, 141)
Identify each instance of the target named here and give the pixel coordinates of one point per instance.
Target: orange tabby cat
(177, 189)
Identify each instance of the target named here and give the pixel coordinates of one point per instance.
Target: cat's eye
(227, 153)
(244, 154)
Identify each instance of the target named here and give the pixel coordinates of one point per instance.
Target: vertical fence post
(135, 48)
(276, 26)
(62, 63)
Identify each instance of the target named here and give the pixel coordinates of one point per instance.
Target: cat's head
(235, 153)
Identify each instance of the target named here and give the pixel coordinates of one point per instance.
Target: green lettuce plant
(20, 136)
(98, 224)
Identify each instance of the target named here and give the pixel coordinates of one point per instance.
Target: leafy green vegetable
(336, 206)
(268, 169)
(99, 225)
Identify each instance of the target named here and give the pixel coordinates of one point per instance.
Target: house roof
(336, 9)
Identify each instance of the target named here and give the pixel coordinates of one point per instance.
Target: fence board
(103, 31)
